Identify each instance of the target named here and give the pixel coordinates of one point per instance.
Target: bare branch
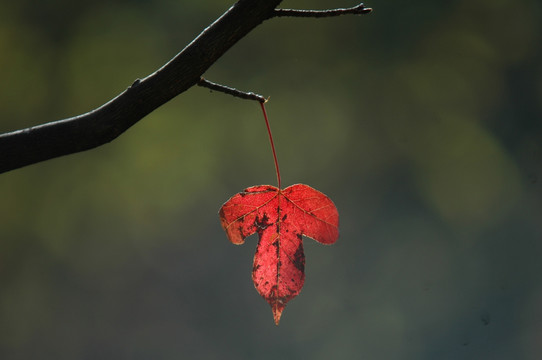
(231, 91)
(356, 10)
(104, 124)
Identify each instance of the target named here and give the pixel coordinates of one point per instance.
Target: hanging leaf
(280, 217)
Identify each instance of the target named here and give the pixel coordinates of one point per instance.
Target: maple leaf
(280, 217)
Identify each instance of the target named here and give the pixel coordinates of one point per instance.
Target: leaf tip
(277, 308)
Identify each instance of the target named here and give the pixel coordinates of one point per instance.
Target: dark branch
(231, 91)
(100, 126)
(356, 10)
(104, 124)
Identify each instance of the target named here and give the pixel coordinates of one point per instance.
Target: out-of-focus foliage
(422, 120)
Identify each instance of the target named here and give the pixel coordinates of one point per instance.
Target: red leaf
(280, 217)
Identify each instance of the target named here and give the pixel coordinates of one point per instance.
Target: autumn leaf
(280, 217)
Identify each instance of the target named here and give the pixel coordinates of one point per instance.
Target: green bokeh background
(422, 121)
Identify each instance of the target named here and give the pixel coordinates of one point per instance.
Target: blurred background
(422, 121)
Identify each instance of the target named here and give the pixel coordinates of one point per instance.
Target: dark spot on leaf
(284, 217)
(273, 292)
(299, 258)
(262, 224)
(299, 236)
(291, 291)
(256, 267)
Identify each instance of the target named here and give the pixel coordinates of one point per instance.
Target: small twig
(356, 10)
(231, 91)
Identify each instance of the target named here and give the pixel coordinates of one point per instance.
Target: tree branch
(356, 10)
(100, 126)
(231, 91)
(104, 124)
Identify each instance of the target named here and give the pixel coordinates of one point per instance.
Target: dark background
(422, 121)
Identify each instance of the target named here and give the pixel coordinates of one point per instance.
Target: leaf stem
(271, 141)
